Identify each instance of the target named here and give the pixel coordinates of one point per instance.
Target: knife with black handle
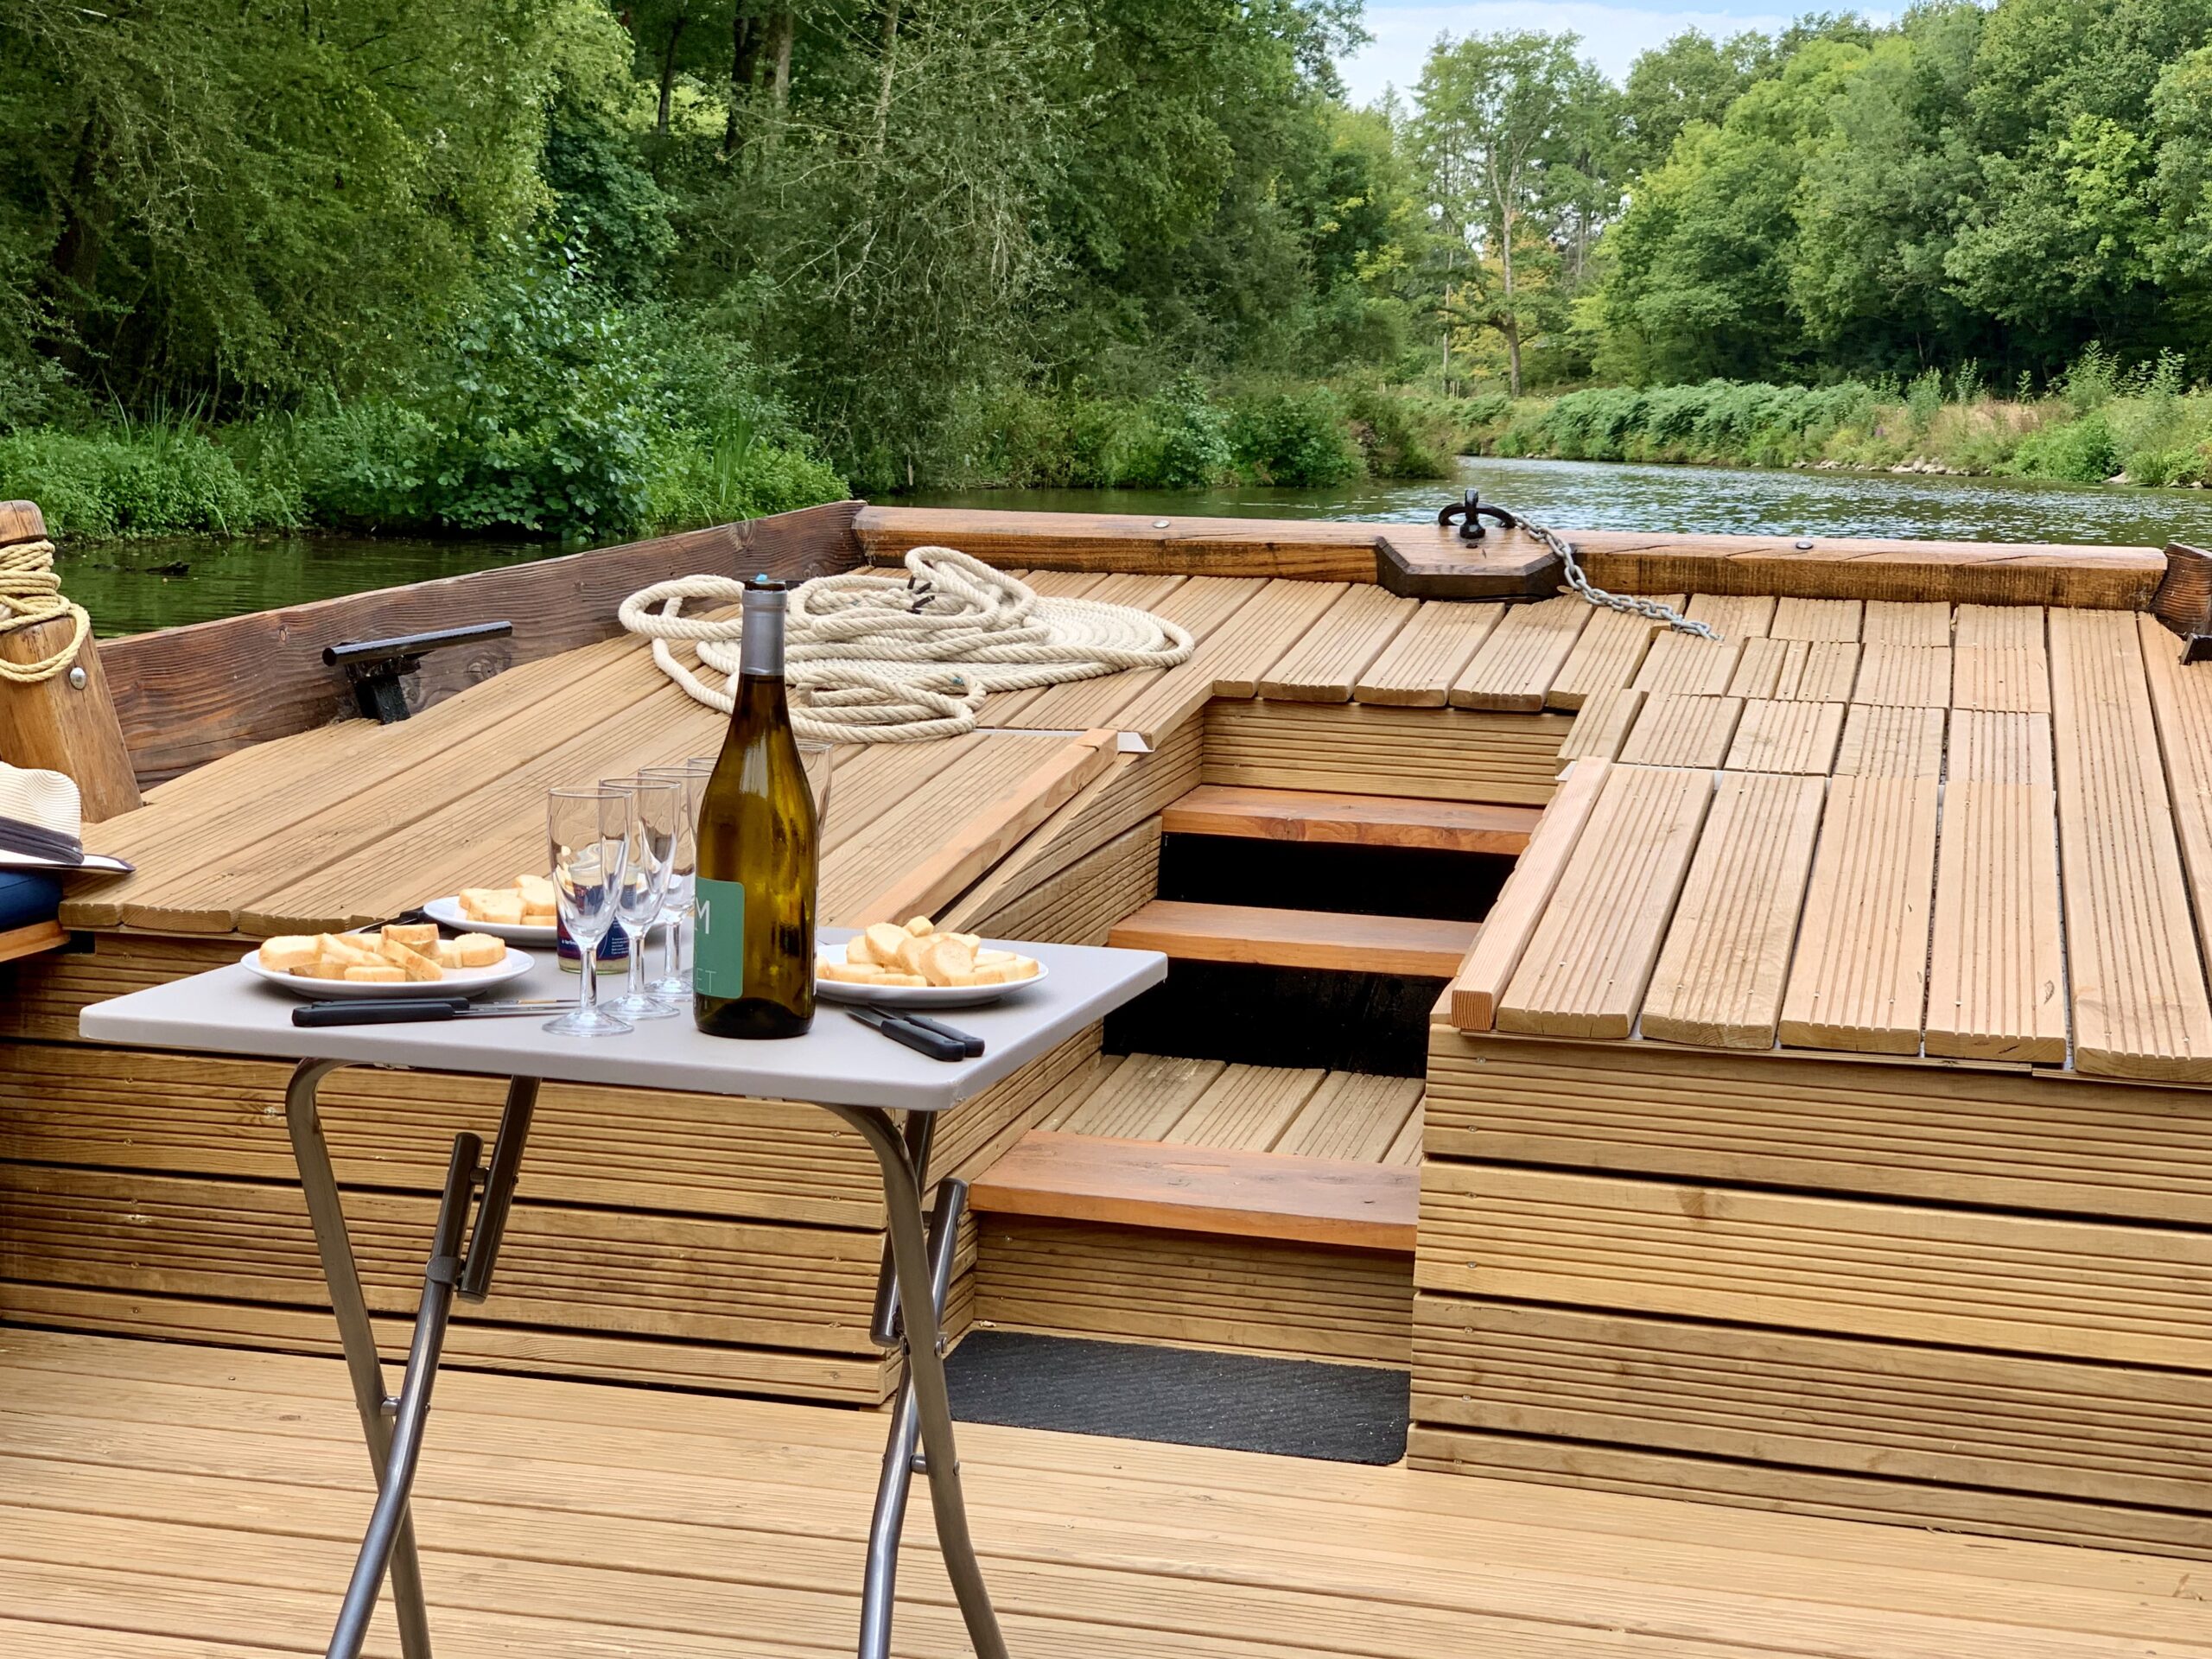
(416, 1010)
(919, 1038)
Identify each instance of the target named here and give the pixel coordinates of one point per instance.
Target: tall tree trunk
(744, 74)
(781, 29)
(883, 77)
(1512, 318)
(667, 70)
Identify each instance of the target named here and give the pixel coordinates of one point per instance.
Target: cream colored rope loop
(31, 594)
(878, 659)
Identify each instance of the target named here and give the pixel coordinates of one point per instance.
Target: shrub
(1401, 434)
(1190, 445)
(737, 475)
(152, 479)
(1300, 439)
(2081, 452)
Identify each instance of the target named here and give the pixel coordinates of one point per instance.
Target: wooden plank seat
(28, 940)
(1354, 820)
(1297, 938)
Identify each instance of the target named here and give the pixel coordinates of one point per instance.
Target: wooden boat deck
(166, 1502)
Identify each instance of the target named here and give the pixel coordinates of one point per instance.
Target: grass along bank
(672, 446)
(2100, 423)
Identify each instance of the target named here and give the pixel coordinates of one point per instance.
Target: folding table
(841, 1066)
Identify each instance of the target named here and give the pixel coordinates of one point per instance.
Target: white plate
(447, 912)
(458, 982)
(914, 996)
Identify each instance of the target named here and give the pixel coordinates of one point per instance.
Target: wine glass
(655, 820)
(589, 829)
(676, 978)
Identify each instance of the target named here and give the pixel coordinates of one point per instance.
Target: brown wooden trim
(1204, 1190)
(1991, 573)
(1357, 820)
(186, 695)
(1333, 940)
(19, 942)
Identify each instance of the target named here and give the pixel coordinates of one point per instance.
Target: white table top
(839, 1063)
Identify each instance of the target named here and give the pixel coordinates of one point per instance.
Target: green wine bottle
(759, 852)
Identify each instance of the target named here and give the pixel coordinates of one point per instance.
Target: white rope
(31, 594)
(876, 658)
(1631, 603)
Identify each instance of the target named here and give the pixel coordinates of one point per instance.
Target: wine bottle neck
(761, 647)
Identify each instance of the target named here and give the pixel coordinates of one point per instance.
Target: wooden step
(1297, 938)
(1355, 820)
(1204, 1189)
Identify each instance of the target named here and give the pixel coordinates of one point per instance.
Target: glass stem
(672, 948)
(634, 981)
(588, 980)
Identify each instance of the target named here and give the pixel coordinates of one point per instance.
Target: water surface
(131, 586)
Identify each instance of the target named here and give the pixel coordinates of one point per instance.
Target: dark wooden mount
(1434, 562)
(2183, 601)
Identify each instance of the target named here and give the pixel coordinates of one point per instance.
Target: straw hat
(41, 824)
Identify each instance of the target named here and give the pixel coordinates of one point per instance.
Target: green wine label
(718, 939)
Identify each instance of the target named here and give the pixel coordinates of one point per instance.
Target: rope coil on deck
(888, 659)
(30, 593)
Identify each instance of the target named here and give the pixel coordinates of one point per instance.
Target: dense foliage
(564, 266)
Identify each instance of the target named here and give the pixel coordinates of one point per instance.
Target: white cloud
(1612, 36)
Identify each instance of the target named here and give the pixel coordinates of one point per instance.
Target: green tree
(1495, 129)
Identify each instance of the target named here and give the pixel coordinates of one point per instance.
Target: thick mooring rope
(31, 594)
(876, 658)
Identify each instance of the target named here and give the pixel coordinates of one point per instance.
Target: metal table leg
(394, 1426)
(922, 1270)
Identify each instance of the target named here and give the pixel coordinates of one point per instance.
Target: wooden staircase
(1255, 1206)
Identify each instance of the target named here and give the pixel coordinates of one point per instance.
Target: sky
(1612, 36)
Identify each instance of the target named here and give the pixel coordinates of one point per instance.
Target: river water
(131, 586)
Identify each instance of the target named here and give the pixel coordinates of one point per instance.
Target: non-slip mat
(1243, 1402)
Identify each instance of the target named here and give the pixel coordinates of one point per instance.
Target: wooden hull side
(1974, 1298)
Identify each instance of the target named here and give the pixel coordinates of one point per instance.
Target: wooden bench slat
(1357, 820)
(1297, 938)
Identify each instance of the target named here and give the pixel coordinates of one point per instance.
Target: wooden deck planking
(1818, 671)
(2140, 1007)
(1584, 970)
(1858, 977)
(1246, 1107)
(1141, 1098)
(544, 1509)
(1684, 665)
(1601, 724)
(1795, 737)
(1480, 985)
(1458, 755)
(1733, 616)
(1999, 661)
(1417, 669)
(1817, 619)
(1515, 667)
(1607, 656)
(1719, 976)
(1758, 670)
(2014, 1284)
(1905, 676)
(2181, 700)
(1229, 660)
(1890, 742)
(1352, 1116)
(1996, 976)
(1681, 732)
(1987, 1137)
(1325, 665)
(1922, 623)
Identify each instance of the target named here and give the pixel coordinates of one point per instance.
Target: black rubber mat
(1243, 1402)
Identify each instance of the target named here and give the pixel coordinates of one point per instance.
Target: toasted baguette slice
(415, 936)
(537, 892)
(944, 959)
(480, 950)
(884, 941)
(973, 941)
(502, 905)
(539, 919)
(920, 926)
(412, 961)
(324, 968)
(282, 954)
(356, 948)
(383, 973)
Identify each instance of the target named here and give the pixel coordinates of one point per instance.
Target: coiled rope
(887, 659)
(30, 594)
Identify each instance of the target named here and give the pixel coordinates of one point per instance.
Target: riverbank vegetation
(563, 267)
